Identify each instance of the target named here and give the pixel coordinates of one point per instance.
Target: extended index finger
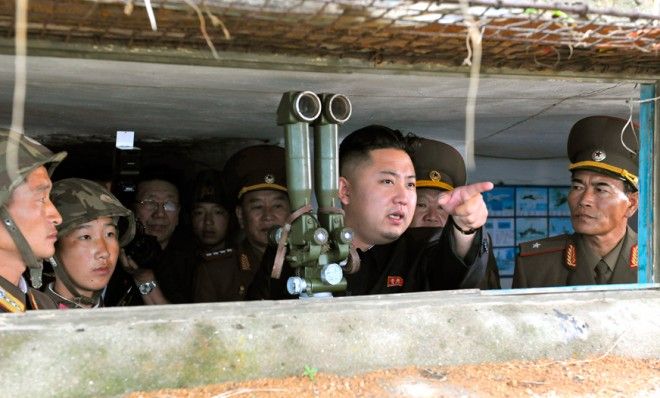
(477, 188)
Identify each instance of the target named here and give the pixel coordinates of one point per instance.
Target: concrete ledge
(112, 351)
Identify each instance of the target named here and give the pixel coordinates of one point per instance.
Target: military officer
(439, 168)
(29, 219)
(603, 154)
(88, 242)
(255, 182)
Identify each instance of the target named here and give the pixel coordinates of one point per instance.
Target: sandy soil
(597, 377)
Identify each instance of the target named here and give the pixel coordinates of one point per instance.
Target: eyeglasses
(154, 206)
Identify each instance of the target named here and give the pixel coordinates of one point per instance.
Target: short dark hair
(358, 145)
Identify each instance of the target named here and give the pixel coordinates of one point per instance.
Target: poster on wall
(560, 226)
(531, 228)
(558, 202)
(501, 231)
(499, 201)
(531, 201)
(506, 260)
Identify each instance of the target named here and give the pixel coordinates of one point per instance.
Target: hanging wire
(18, 104)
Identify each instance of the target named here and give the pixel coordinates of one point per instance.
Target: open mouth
(396, 216)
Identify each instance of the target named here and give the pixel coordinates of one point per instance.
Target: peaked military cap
(437, 165)
(208, 187)
(29, 155)
(255, 168)
(600, 144)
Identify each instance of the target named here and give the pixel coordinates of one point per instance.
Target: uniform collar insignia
(269, 179)
(634, 257)
(570, 256)
(434, 175)
(536, 245)
(598, 155)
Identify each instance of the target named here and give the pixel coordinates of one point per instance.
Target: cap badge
(269, 179)
(434, 175)
(598, 155)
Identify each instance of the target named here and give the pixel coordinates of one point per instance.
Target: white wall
(522, 172)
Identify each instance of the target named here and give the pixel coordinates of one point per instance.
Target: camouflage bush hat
(208, 188)
(255, 168)
(80, 201)
(31, 155)
(600, 144)
(437, 165)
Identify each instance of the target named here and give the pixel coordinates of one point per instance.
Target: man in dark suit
(378, 195)
(603, 152)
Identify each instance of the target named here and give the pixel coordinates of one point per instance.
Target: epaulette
(217, 254)
(9, 302)
(544, 246)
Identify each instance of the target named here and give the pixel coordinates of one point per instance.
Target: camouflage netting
(516, 34)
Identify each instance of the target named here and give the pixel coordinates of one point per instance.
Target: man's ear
(239, 216)
(633, 198)
(344, 191)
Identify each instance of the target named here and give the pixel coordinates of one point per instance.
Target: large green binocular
(316, 247)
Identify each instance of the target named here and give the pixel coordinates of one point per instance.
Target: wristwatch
(146, 287)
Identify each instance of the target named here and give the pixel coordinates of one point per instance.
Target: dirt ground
(597, 377)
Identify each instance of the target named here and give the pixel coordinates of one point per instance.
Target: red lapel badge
(394, 281)
(634, 258)
(570, 256)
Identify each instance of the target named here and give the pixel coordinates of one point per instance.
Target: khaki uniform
(12, 298)
(600, 144)
(226, 275)
(564, 261)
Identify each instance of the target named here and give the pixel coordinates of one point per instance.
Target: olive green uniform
(12, 298)
(566, 260)
(599, 144)
(225, 275)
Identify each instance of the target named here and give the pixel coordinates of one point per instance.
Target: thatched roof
(579, 38)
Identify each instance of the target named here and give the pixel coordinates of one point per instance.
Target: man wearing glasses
(169, 280)
(157, 208)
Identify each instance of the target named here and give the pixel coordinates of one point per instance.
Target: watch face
(147, 287)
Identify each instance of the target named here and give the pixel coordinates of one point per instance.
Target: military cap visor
(601, 144)
(258, 187)
(437, 165)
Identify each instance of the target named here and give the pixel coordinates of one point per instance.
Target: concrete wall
(117, 350)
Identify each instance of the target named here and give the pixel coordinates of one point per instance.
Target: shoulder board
(217, 254)
(10, 303)
(543, 246)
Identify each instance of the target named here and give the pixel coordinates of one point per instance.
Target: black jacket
(422, 259)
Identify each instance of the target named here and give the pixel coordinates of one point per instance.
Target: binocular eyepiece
(306, 107)
(336, 108)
